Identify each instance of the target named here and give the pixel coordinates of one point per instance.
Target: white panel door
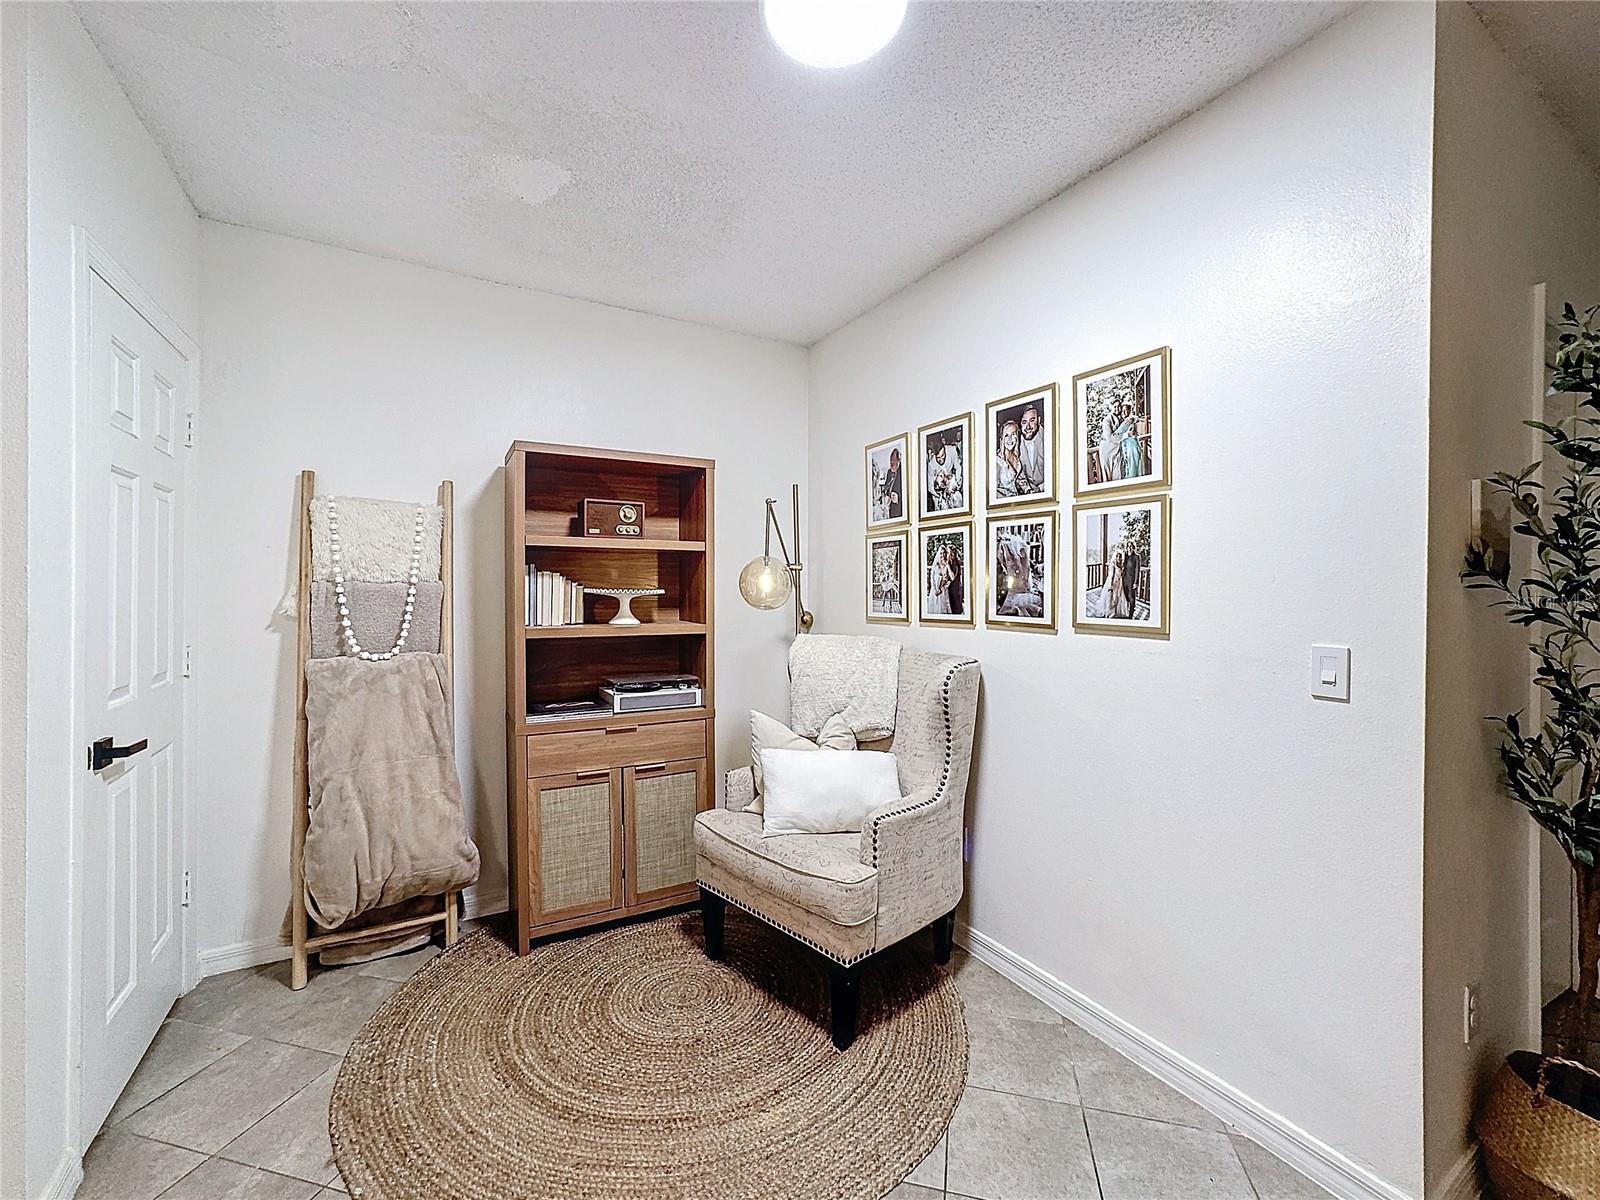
(130, 528)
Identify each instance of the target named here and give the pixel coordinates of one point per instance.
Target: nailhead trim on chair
(944, 771)
(799, 937)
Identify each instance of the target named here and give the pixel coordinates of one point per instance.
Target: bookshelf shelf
(548, 541)
(604, 630)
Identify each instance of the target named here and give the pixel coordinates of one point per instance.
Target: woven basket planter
(1540, 1138)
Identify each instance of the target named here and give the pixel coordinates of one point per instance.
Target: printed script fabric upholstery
(852, 676)
(819, 872)
(740, 792)
(386, 817)
(916, 844)
(375, 612)
(913, 844)
(375, 540)
(844, 943)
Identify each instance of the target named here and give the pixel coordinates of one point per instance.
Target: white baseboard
(1464, 1181)
(64, 1180)
(486, 905)
(236, 957)
(1318, 1161)
(221, 959)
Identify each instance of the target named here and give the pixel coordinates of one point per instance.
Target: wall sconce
(767, 582)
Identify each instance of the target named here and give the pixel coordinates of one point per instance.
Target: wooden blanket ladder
(306, 941)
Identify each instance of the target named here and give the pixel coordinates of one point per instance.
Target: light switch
(1330, 672)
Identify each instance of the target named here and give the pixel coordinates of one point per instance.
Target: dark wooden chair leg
(944, 931)
(712, 910)
(846, 990)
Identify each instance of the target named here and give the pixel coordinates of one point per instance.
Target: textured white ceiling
(1554, 43)
(665, 156)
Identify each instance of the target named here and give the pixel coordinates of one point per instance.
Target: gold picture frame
(1093, 604)
(1091, 461)
(951, 533)
(903, 538)
(1049, 571)
(962, 422)
(900, 442)
(1001, 492)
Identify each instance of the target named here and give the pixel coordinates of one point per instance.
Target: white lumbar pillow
(767, 733)
(825, 793)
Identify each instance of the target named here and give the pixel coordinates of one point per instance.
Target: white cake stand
(625, 598)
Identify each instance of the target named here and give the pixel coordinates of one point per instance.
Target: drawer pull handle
(643, 767)
(591, 774)
(622, 729)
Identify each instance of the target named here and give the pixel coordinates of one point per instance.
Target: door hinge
(186, 889)
(188, 429)
(188, 660)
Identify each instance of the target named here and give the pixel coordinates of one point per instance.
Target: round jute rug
(624, 1065)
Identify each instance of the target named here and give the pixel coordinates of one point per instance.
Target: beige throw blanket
(386, 818)
(857, 677)
(375, 612)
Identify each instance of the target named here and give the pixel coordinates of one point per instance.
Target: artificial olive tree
(1552, 768)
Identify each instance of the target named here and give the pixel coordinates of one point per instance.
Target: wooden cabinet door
(660, 802)
(575, 839)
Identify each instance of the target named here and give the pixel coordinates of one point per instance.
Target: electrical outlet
(1469, 1013)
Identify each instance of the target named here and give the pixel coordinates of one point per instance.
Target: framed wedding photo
(887, 464)
(1121, 418)
(1121, 556)
(944, 453)
(1021, 558)
(1020, 432)
(887, 593)
(945, 552)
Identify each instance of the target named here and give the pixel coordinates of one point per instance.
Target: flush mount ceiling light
(832, 33)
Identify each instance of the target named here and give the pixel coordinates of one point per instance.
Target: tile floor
(231, 1103)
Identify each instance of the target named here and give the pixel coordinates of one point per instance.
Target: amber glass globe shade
(765, 582)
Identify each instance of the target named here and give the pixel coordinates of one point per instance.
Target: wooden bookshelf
(593, 800)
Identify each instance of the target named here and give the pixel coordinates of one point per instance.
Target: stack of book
(553, 599)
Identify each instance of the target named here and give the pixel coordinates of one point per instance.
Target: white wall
(1175, 828)
(90, 163)
(13, 589)
(1514, 204)
(385, 378)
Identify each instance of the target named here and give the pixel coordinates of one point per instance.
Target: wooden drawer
(592, 749)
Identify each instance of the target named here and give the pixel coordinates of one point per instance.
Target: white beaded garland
(344, 602)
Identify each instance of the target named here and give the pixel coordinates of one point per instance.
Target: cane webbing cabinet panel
(663, 802)
(601, 808)
(576, 822)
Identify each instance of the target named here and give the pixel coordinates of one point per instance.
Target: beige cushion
(768, 733)
(819, 872)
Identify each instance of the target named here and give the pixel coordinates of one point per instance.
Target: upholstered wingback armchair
(849, 895)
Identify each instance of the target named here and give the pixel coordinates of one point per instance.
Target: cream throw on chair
(849, 895)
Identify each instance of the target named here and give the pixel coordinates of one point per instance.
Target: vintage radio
(611, 518)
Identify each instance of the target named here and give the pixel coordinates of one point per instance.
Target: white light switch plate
(1330, 672)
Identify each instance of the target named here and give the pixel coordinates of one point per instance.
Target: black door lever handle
(105, 752)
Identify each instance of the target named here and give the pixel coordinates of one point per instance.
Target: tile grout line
(1248, 1178)
(182, 1177)
(1110, 1112)
(117, 1124)
(268, 1113)
(1083, 1115)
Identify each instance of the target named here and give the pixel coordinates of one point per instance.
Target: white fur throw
(375, 539)
(857, 676)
